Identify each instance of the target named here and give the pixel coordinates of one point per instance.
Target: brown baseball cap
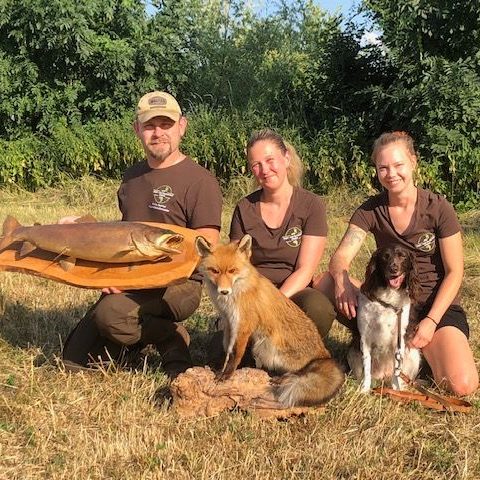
(158, 104)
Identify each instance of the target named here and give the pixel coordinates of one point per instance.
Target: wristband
(432, 319)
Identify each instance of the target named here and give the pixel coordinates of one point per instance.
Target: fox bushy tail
(314, 384)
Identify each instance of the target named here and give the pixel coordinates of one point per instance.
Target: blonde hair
(392, 137)
(295, 168)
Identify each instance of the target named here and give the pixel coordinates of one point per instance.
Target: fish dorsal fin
(68, 263)
(27, 247)
(86, 219)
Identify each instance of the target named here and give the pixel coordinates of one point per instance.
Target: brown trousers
(130, 319)
(317, 306)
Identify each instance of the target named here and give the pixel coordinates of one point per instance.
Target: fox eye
(232, 270)
(214, 270)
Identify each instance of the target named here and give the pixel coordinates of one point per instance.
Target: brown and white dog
(379, 353)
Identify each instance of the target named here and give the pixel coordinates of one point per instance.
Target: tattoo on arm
(346, 251)
(353, 237)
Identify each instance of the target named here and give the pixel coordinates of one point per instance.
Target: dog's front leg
(367, 366)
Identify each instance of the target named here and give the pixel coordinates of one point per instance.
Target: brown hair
(391, 137)
(295, 168)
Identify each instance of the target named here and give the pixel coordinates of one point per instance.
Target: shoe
(183, 332)
(174, 352)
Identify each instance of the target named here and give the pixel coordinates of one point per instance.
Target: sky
(333, 5)
(330, 5)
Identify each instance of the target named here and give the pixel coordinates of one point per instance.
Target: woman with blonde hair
(287, 223)
(426, 224)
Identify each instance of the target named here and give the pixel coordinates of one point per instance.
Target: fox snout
(224, 290)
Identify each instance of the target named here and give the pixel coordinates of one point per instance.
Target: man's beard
(160, 155)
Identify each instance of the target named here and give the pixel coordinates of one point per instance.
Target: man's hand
(109, 290)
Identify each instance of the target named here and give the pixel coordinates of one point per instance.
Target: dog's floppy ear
(411, 278)
(203, 247)
(371, 280)
(245, 245)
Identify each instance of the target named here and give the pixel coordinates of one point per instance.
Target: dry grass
(116, 424)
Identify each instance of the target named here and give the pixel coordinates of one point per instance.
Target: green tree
(63, 58)
(435, 49)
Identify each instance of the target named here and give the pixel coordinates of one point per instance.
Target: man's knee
(183, 299)
(116, 322)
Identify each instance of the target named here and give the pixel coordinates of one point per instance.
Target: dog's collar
(374, 298)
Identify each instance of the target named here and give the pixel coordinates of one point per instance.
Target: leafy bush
(217, 139)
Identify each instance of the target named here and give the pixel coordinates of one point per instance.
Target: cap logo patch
(157, 101)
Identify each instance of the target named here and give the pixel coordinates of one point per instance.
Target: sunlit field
(115, 424)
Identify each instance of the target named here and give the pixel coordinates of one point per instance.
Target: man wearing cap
(166, 187)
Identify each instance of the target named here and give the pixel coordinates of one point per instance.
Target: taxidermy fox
(284, 339)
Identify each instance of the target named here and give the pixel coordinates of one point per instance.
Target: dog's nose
(394, 268)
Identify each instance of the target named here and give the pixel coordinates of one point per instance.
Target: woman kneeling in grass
(426, 224)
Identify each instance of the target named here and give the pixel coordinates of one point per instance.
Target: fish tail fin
(9, 226)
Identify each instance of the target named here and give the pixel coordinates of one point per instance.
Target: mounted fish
(106, 242)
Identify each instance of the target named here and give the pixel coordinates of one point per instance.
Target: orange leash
(425, 397)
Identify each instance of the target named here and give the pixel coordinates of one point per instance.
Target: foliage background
(71, 73)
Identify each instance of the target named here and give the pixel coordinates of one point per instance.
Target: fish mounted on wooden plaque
(126, 255)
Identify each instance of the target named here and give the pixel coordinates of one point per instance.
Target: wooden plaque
(125, 276)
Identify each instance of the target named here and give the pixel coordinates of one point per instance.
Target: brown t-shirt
(185, 194)
(275, 250)
(433, 218)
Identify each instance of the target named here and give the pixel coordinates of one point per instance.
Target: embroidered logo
(293, 237)
(157, 101)
(161, 196)
(426, 242)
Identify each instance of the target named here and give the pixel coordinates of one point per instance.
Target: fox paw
(223, 376)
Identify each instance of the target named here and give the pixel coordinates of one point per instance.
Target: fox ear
(245, 245)
(203, 247)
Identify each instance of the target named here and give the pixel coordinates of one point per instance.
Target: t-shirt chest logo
(426, 242)
(161, 196)
(293, 237)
